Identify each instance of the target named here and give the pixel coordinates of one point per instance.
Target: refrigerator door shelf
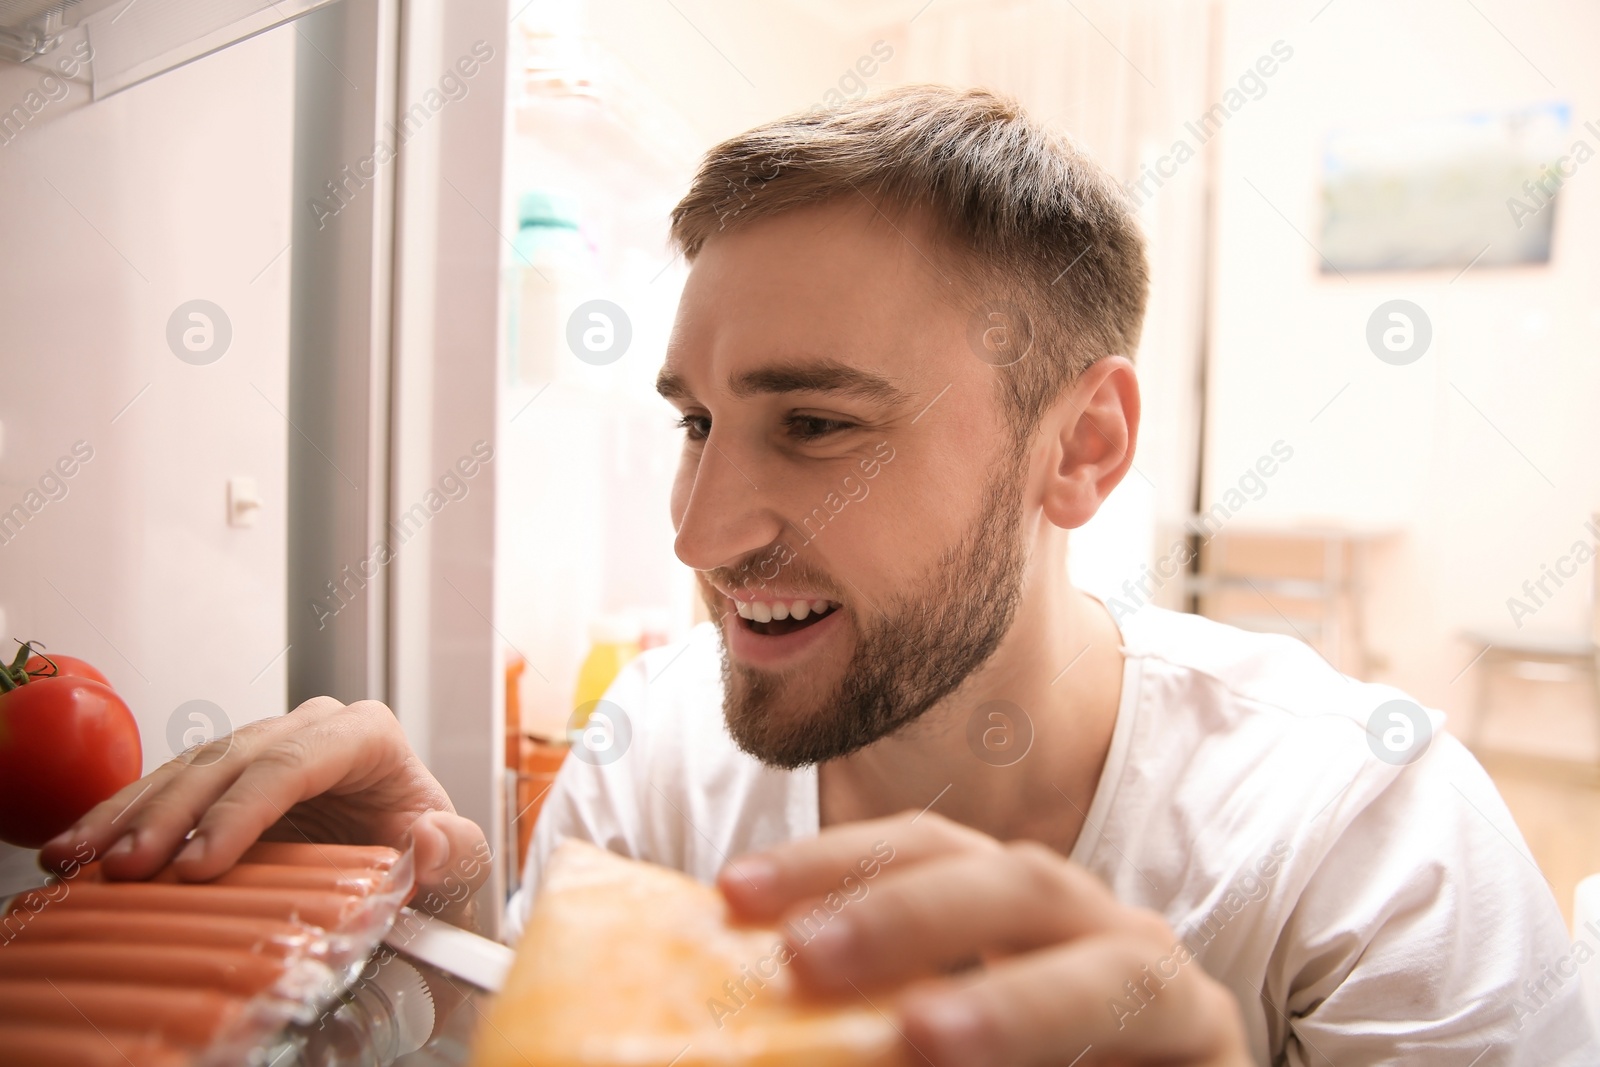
(131, 42)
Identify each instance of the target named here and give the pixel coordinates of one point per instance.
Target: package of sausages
(165, 973)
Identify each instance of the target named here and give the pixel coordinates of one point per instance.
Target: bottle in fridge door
(552, 266)
(613, 642)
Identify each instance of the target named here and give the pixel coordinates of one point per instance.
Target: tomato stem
(38, 650)
(16, 674)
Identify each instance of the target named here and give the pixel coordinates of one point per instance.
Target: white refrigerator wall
(115, 214)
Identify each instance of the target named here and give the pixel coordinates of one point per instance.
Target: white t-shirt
(1363, 911)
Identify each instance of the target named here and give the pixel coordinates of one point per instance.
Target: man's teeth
(768, 610)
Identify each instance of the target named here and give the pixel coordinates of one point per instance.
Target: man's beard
(907, 658)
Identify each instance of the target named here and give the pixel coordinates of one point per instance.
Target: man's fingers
(91, 835)
(948, 912)
(341, 747)
(449, 846)
(136, 831)
(139, 829)
(197, 780)
(1123, 995)
(764, 885)
(325, 773)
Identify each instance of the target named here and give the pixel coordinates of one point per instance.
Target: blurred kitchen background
(355, 309)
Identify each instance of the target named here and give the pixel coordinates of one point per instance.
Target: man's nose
(728, 516)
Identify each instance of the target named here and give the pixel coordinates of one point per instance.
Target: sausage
(28, 1045)
(191, 1018)
(270, 937)
(306, 854)
(355, 881)
(225, 969)
(331, 911)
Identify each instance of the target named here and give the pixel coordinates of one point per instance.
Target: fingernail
(829, 945)
(125, 845)
(194, 851)
(426, 837)
(757, 872)
(62, 839)
(951, 1025)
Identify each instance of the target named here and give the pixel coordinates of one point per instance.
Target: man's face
(850, 489)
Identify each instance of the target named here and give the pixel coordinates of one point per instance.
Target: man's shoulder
(1233, 737)
(1240, 741)
(1324, 845)
(1250, 677)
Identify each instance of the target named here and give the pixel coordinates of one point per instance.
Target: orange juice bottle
(613, 641)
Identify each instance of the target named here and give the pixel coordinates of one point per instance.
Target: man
(901, 365)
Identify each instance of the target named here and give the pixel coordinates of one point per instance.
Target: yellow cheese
(626, 964)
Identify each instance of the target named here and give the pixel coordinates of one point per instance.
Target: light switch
(244, 503)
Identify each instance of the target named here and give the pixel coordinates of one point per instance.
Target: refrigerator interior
(587, 448)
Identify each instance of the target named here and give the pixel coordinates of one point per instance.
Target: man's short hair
(1028, 221)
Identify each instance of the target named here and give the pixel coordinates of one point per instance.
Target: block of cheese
(627, 964)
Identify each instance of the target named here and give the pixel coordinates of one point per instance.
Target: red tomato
(66, 744)
(65, 667)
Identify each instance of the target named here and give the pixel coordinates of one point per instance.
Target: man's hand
(1053, 949)
(325, 773)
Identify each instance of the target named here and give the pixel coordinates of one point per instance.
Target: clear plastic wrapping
(191, 974)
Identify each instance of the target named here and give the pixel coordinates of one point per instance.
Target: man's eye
(811, 427)
(695, 427)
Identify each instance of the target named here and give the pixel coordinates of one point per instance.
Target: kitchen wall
(1480, 455)
(115, 215)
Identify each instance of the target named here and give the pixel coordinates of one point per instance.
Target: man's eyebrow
(826, 376)
(670, 384)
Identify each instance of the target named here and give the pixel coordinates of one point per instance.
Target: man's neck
(1057, 676)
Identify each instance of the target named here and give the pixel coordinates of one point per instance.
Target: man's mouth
(774, 618)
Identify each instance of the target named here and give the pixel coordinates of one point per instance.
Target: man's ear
(1089, 438)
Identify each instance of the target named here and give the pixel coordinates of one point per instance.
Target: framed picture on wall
(1447, 192)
